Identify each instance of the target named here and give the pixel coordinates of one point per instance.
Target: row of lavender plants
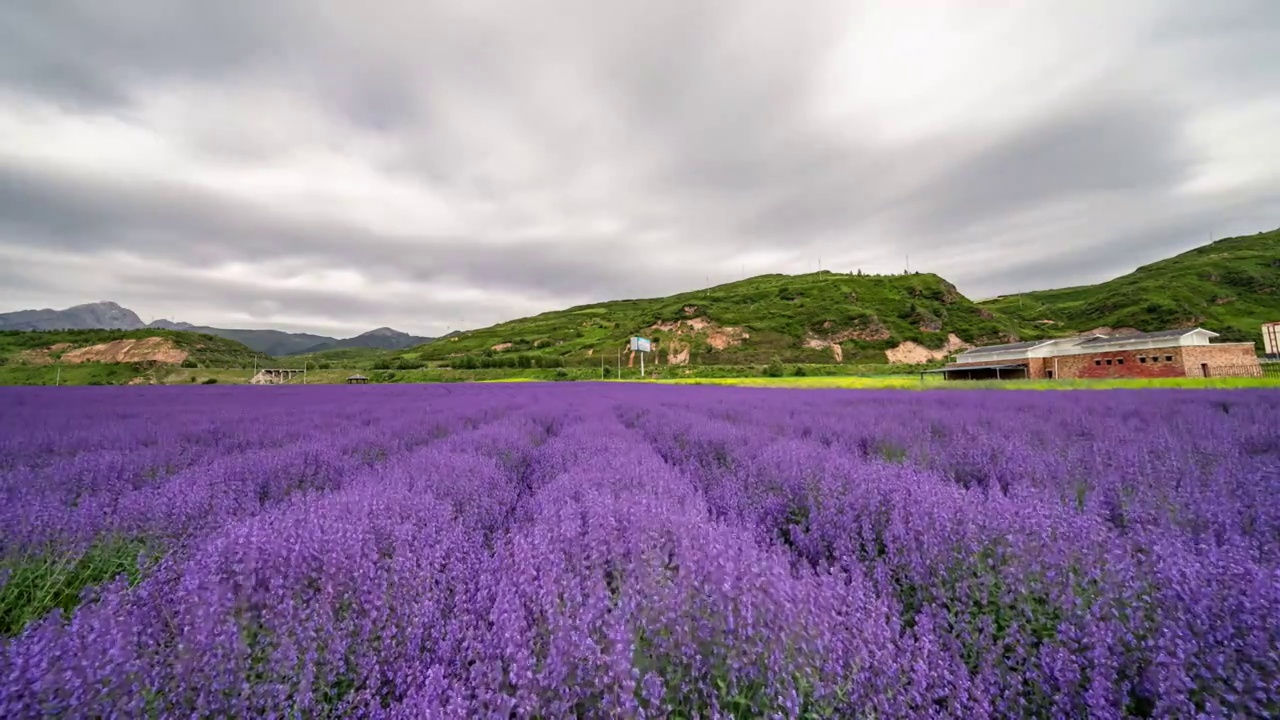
(592, 550)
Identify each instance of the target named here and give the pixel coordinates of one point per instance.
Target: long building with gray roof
(1186, 352)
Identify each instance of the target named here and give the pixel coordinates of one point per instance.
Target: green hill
(347, 357)
(1231, 286)
(23, 346)
(816, 318)
(112, 356)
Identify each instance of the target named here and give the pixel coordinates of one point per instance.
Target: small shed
(357, 380)
(1007, 371)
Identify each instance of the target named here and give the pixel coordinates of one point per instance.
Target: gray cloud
(1079, 152)
(1097, 258)
(461, 164)
(169, 222)
(83, 53)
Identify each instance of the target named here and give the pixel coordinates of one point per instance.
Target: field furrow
(577, 550)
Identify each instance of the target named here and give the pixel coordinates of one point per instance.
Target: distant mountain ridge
(271, 342)
(103, 315)
(383, 338)
(108, 315)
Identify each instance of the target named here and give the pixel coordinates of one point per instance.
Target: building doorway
(1204, 369)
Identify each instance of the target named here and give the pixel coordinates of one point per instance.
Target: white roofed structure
(1086, 345)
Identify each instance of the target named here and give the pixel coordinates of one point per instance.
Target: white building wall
(1271, 338)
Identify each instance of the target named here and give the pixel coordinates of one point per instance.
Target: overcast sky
(335, 165)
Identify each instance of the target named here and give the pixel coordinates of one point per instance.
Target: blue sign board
(639, 344)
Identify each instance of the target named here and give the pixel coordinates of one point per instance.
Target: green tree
(775, 368)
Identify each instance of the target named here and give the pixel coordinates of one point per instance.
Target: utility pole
(57, 378)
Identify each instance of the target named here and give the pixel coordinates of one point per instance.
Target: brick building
(1171, 353)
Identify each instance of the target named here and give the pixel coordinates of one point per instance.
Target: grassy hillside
(347, 357)
(1231, 286)
(793, 318)
(49, 347)
(88, 374)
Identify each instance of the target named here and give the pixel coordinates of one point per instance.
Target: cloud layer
(328, 167)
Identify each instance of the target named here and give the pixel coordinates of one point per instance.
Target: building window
(1120, 361)
(1097, 362)
(1142, 359)
(1108, 361)
(1168, 358)
(1155, 358)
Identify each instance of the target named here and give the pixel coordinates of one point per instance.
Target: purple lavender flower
(638, 551)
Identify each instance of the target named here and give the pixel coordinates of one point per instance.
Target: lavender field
(577, 550)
